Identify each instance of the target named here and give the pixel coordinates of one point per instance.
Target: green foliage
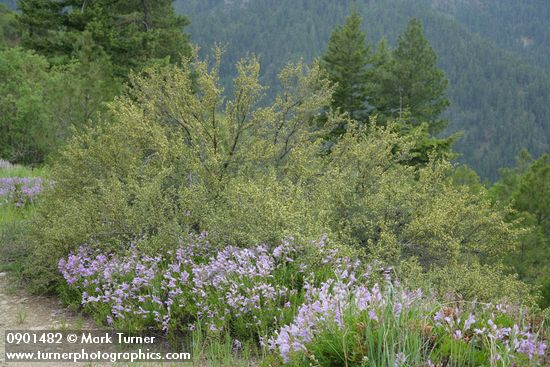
(498, 97)
(395, 329)
(529, 36)
(172, 156)
(418, 84)
(459, 353)
(465, 176)
(40, 105)
(14, 221)
(525, 189)
(472, 280)
(9, 28)
(346, 63)
(407, 83)
(13, 231)
(404, 84)
(365, 342)
(22, 171)
(132, 33)
(177, 154)
(166, 166)
(533, 193)
(24, 118)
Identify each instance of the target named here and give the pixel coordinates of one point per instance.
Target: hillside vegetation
(500, 96)
(299, 205)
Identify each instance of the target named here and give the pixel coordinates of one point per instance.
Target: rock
(3, 274)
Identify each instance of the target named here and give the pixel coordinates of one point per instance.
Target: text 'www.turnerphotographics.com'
(90, 346)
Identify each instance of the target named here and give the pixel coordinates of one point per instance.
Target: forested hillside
(519, 26)
(499, 98)
(494, 56)
(12, 4)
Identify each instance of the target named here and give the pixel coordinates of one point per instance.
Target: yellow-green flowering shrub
(173, 156)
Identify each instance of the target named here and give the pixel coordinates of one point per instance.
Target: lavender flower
(20, 191)
(198, 284)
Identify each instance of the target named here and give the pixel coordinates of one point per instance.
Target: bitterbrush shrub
(174, 156)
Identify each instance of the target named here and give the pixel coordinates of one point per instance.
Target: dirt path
(22, 311)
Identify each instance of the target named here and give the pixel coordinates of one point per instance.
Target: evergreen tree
(532, 200)
(133, 33)
(525, 188)
(383, 94)
(25, 133)
(420, 83)
(503, 190)
(380, 81)
(9, 28)
(411, 81)
(41, 105)
(345, 62)
(533, 193)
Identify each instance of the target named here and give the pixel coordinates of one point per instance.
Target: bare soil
(22, 311)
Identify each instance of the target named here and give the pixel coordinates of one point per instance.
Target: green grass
(221, 351)
(12, 248)
(13, 222)
(22, 171)
(10, 213)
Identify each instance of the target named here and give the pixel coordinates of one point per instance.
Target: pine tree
(420, 84)
(381, 81)
(133, 33)
(9, 28)
(345, 63)
(410, 81)
(526, 189)
(533, 192)
(384, 85)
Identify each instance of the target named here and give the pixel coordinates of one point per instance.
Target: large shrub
(173, 156)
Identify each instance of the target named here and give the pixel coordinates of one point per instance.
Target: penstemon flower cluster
(19, 190)
(341, 303)
(505, 340)
(196, 282)
(272, 294)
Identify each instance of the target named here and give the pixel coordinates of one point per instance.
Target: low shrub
(242, 290)
(471, 281)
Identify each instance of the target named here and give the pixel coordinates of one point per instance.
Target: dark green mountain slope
(495, 57)
(518, 26)
(9, 3)
(499, 100)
